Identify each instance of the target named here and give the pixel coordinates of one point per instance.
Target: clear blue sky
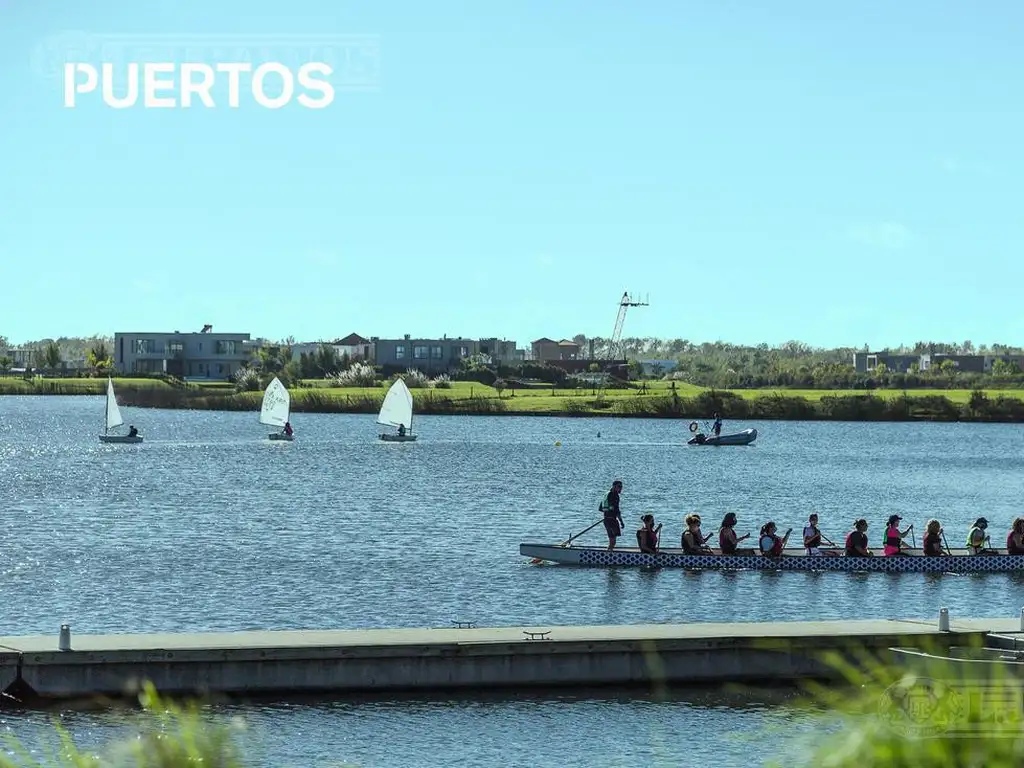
(836, 172)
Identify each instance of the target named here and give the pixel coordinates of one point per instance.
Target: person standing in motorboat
(977, 538)
(609, 507)
(727, 539)
(894, 537)
(1015, 538)
(717, 426)
(813, 538)
(647, 536)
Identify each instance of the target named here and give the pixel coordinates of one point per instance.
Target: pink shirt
(893, 531)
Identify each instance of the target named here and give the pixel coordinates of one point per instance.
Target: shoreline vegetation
(657, 399)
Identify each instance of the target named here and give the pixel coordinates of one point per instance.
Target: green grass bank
(656, 400)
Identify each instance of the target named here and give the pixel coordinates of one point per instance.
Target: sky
(841, 173)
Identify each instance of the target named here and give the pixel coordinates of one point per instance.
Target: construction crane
(615, 343)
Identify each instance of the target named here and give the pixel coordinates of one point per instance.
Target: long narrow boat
(959, 561)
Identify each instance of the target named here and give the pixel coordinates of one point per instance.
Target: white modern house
(189, 355)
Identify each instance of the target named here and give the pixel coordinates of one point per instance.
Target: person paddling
(977, 537)
(727, 539)
(857, 540)
(647, 536)
(894, 537)
(813, 538)
(1015, 538)
(609, 507)
(770, 543)
(932, 543)
(693, 540)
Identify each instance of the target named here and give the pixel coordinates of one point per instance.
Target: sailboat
(113, 419)
(395, 411)
(276, 405)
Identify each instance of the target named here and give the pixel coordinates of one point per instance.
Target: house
(866, 362)
(426, 355)
(545, 349)
(20, 357)
(969, 363)
(203, 354)
(498, 350)
(356, 347)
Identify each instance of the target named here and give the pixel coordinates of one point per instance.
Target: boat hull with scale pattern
(960, 561)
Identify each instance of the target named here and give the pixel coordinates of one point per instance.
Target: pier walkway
(466, 657)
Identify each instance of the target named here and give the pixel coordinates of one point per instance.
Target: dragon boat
(957, 561)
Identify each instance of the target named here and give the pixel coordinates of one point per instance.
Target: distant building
(202, 355)
(353, 345)
(426, 355)
(658, 367)
(866, 362)
(499, 351)
(546, 350)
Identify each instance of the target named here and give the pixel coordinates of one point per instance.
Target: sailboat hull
(281, 436)
(397, 438)
(120, 439)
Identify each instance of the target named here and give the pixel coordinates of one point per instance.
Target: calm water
(209, 526)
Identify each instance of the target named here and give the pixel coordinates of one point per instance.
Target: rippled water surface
(209, 526)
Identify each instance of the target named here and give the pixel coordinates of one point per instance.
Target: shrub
(413, 378)
(247, 380)
(441, 381)
(356, 375)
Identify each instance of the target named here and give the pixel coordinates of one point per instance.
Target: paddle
(568, 541)
(913, 538)
(948, 550)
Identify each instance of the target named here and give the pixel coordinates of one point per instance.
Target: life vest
(932, 544)
(605, 507)
(646, 539)
(970, 535)
(892, 537)
(776, 548)
(1011, 547)
(727, 545)
(696, 546)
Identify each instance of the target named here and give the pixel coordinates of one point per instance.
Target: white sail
(397, 407)
(276, 404)
(113, 412)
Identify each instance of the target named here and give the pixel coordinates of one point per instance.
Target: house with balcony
(431, 356)
(189, 355)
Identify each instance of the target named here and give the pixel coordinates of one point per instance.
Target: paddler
(612, 516)
(977, 538)
(813, 538)
(647, 536)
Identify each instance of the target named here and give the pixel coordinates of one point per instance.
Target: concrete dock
(349, 661)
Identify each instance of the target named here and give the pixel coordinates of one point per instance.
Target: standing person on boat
(1015, 538)
(894, 537)
(727, 539)
(612, 516)
(717, 426)
(692, 539)
(770, 543)
(932, 543)
(857, 540)
(647, 536)
(977, 538)
(813, 538)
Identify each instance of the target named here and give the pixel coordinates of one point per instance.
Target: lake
(210, 526)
